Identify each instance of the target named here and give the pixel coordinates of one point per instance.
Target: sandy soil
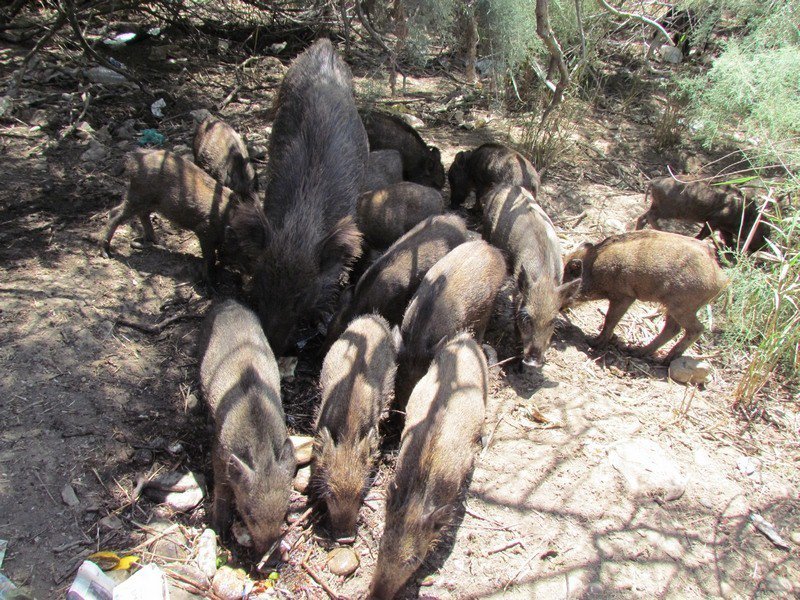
(94, 404)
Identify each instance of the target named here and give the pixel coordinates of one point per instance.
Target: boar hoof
(598, 342)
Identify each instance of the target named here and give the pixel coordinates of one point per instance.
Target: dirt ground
(89, 402)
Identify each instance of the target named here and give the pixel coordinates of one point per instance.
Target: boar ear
(343, 245)
(434, 157)
(523, 281)
(439, 517)
(286, 457)
(240, 473)
(568, 291)
(248, 231)
(573, 269)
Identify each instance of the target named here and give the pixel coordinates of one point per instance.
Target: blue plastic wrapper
(151, 137)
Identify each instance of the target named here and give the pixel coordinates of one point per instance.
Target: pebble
(230, 584)
(686, 369)
(69, 496)
(180, 491)
(795, 537)
(110, 522)
(342, 561)
(206, 557)
(415, 122)
(200, 115)
(747, 464)
(301, 479)
(95, 153)
(303, 446)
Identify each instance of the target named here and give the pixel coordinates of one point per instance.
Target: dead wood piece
(321, 582)
(158, 327)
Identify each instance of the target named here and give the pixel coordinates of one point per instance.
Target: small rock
(491, 354)
(795, 537)
(69, 496)
(342, 561)
(647, 469)
(747, 464)
(257, 151)
(615, 225)
(157, 108)
(181, 491)
(230, 584)
(95, 153)
(191, 402)
(206, 557)
(302, 478)
(143, 456)
(110, 522)
(201, 114)
(175, 448)
(670, 54)
(84, 131)
(303, 446)
(686, 369)
(127, 131)
(193, 574)
(415, 122)
(105, 76)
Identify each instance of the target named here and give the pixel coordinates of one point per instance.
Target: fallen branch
(376, 36)
(300, 520)
(506, 546)
(544, 31)
(13, 88)
(157, 328)
(315, 576)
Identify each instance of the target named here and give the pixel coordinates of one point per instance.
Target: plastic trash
(150, 137)
(91, 584)
(120, 39)
(149, 583)
(156, 108)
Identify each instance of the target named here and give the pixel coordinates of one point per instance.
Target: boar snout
(534, 362)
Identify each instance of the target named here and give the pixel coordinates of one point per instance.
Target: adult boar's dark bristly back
(306, 237)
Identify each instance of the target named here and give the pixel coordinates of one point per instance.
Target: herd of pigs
(356, 197)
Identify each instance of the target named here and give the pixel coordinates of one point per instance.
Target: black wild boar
(165, 183)
(305, 238)
(421, 163)
(444, 419)
(384, 167)
(724, 210)
(513, 222)
(388, 285)
(384, 215)
(677, 271)
(252, 455)
(490, 164)
(357, 381)
(456, 294)
(220, 151)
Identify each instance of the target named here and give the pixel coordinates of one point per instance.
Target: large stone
(343, 561)
(206, 548)
(230, 584)
(303, 446)
(686, 369)
(647, 469)
(301, 480)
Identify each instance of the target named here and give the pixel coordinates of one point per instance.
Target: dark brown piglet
(444, 420)
(305, 239)
(456, 294)
(252, 455)
(384, 215)
(488, 165)
(421, 163)
(515, 223)
(677, 271)
(717, 208)
(222, 153)
(165, 183)
(357, 381)
(384, 167)
(389, 283)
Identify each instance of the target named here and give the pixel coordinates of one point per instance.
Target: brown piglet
(721, 209)
(456, 294)
(677, 271)
(252, 456)
(356, 382)
(444, 421)
(179, 190)
(388, 285)
(384, 215)
(220, 151)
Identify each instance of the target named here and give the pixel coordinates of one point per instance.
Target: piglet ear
(523, 281)
(286, 458)
(240, 473)
(439, 517)
(342, 246)
(567, 292)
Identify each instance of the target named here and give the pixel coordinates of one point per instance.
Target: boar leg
(208, 247)
(642, 221)
(223, 496)
(694, 329)
(147, 227)
(670, 330)
(116, 217)
(705, 231)
(617, 307)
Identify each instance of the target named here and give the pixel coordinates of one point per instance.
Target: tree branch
(546, 33)
(640, 18)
